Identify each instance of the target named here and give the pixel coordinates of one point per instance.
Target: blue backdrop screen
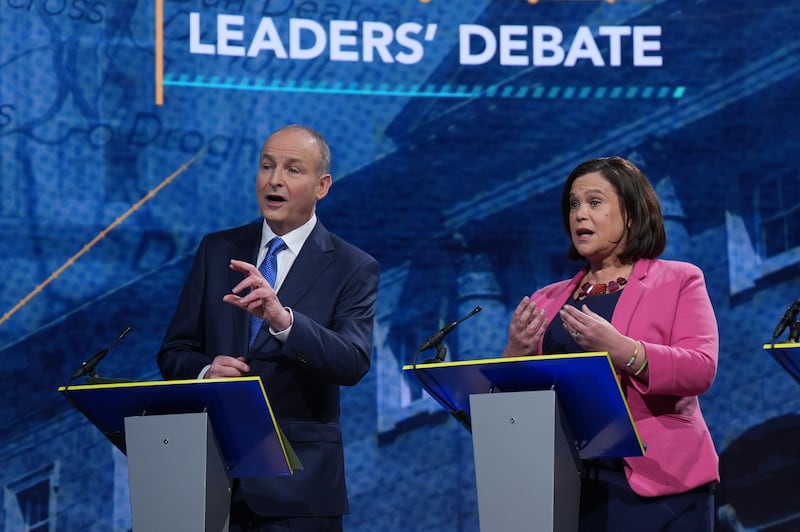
(129, 129)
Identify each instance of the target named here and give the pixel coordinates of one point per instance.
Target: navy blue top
(558, 341)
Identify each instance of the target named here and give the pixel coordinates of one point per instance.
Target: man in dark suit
(316, 333)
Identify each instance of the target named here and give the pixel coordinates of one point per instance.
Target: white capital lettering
(614, 34)
(340, 40)
(465, 34)
(547, 50)
(508, 44)
(415, 53)
(641, 45)
(584, 47)
(226, 34)
(266, 38)
(195, 46)
(377, 38)
(296, 28)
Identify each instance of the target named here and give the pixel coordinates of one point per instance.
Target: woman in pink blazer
(655, 319)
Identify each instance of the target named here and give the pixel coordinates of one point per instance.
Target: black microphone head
(88, 366)
(788, 318)
(437, 338)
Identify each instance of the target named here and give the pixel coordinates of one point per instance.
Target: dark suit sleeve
(337, 349)
(183, 353)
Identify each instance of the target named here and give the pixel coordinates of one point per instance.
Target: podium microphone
(788, 318)
(436, 341)
(437, 338)
(89, 365)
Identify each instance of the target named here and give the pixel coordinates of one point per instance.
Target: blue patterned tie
(269, 269)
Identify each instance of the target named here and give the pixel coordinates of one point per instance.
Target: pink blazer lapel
(631, 296)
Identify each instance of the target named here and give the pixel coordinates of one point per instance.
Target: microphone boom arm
(441, 351)
(89, 366)
(436, 339)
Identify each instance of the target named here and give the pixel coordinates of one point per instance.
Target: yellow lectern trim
(147, 384)
(501, 360)
(289, 455)
(505, 359)
(783, 345)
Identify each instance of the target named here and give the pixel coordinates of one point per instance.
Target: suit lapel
(631, 296)
(316, 255)
(243, 247)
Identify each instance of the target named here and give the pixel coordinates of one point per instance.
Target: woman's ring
(576, 334)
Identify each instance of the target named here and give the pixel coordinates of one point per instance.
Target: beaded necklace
(589, 289)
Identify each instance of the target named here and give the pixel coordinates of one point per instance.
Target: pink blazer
(666, 306)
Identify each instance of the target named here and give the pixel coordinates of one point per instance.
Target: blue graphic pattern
(426, 91)
(448, 174)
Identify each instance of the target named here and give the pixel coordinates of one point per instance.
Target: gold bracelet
(635, 354)
(641, 368)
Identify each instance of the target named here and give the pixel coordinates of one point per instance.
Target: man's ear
(324, 185)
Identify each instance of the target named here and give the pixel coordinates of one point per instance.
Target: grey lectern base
(526, 469)
(178, 479)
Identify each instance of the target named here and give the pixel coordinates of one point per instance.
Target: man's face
(288, 185)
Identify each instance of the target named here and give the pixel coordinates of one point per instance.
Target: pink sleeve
(684, 362)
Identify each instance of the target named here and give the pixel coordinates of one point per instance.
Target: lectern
(532, 419)
(185, 441)
(788, 356)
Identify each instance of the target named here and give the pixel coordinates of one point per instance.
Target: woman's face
(596, 223)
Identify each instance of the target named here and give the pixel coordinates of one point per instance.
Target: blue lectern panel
(238, 409)
(788, 356)
(586, 386)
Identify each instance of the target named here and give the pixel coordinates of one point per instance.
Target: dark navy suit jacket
(332, 289)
